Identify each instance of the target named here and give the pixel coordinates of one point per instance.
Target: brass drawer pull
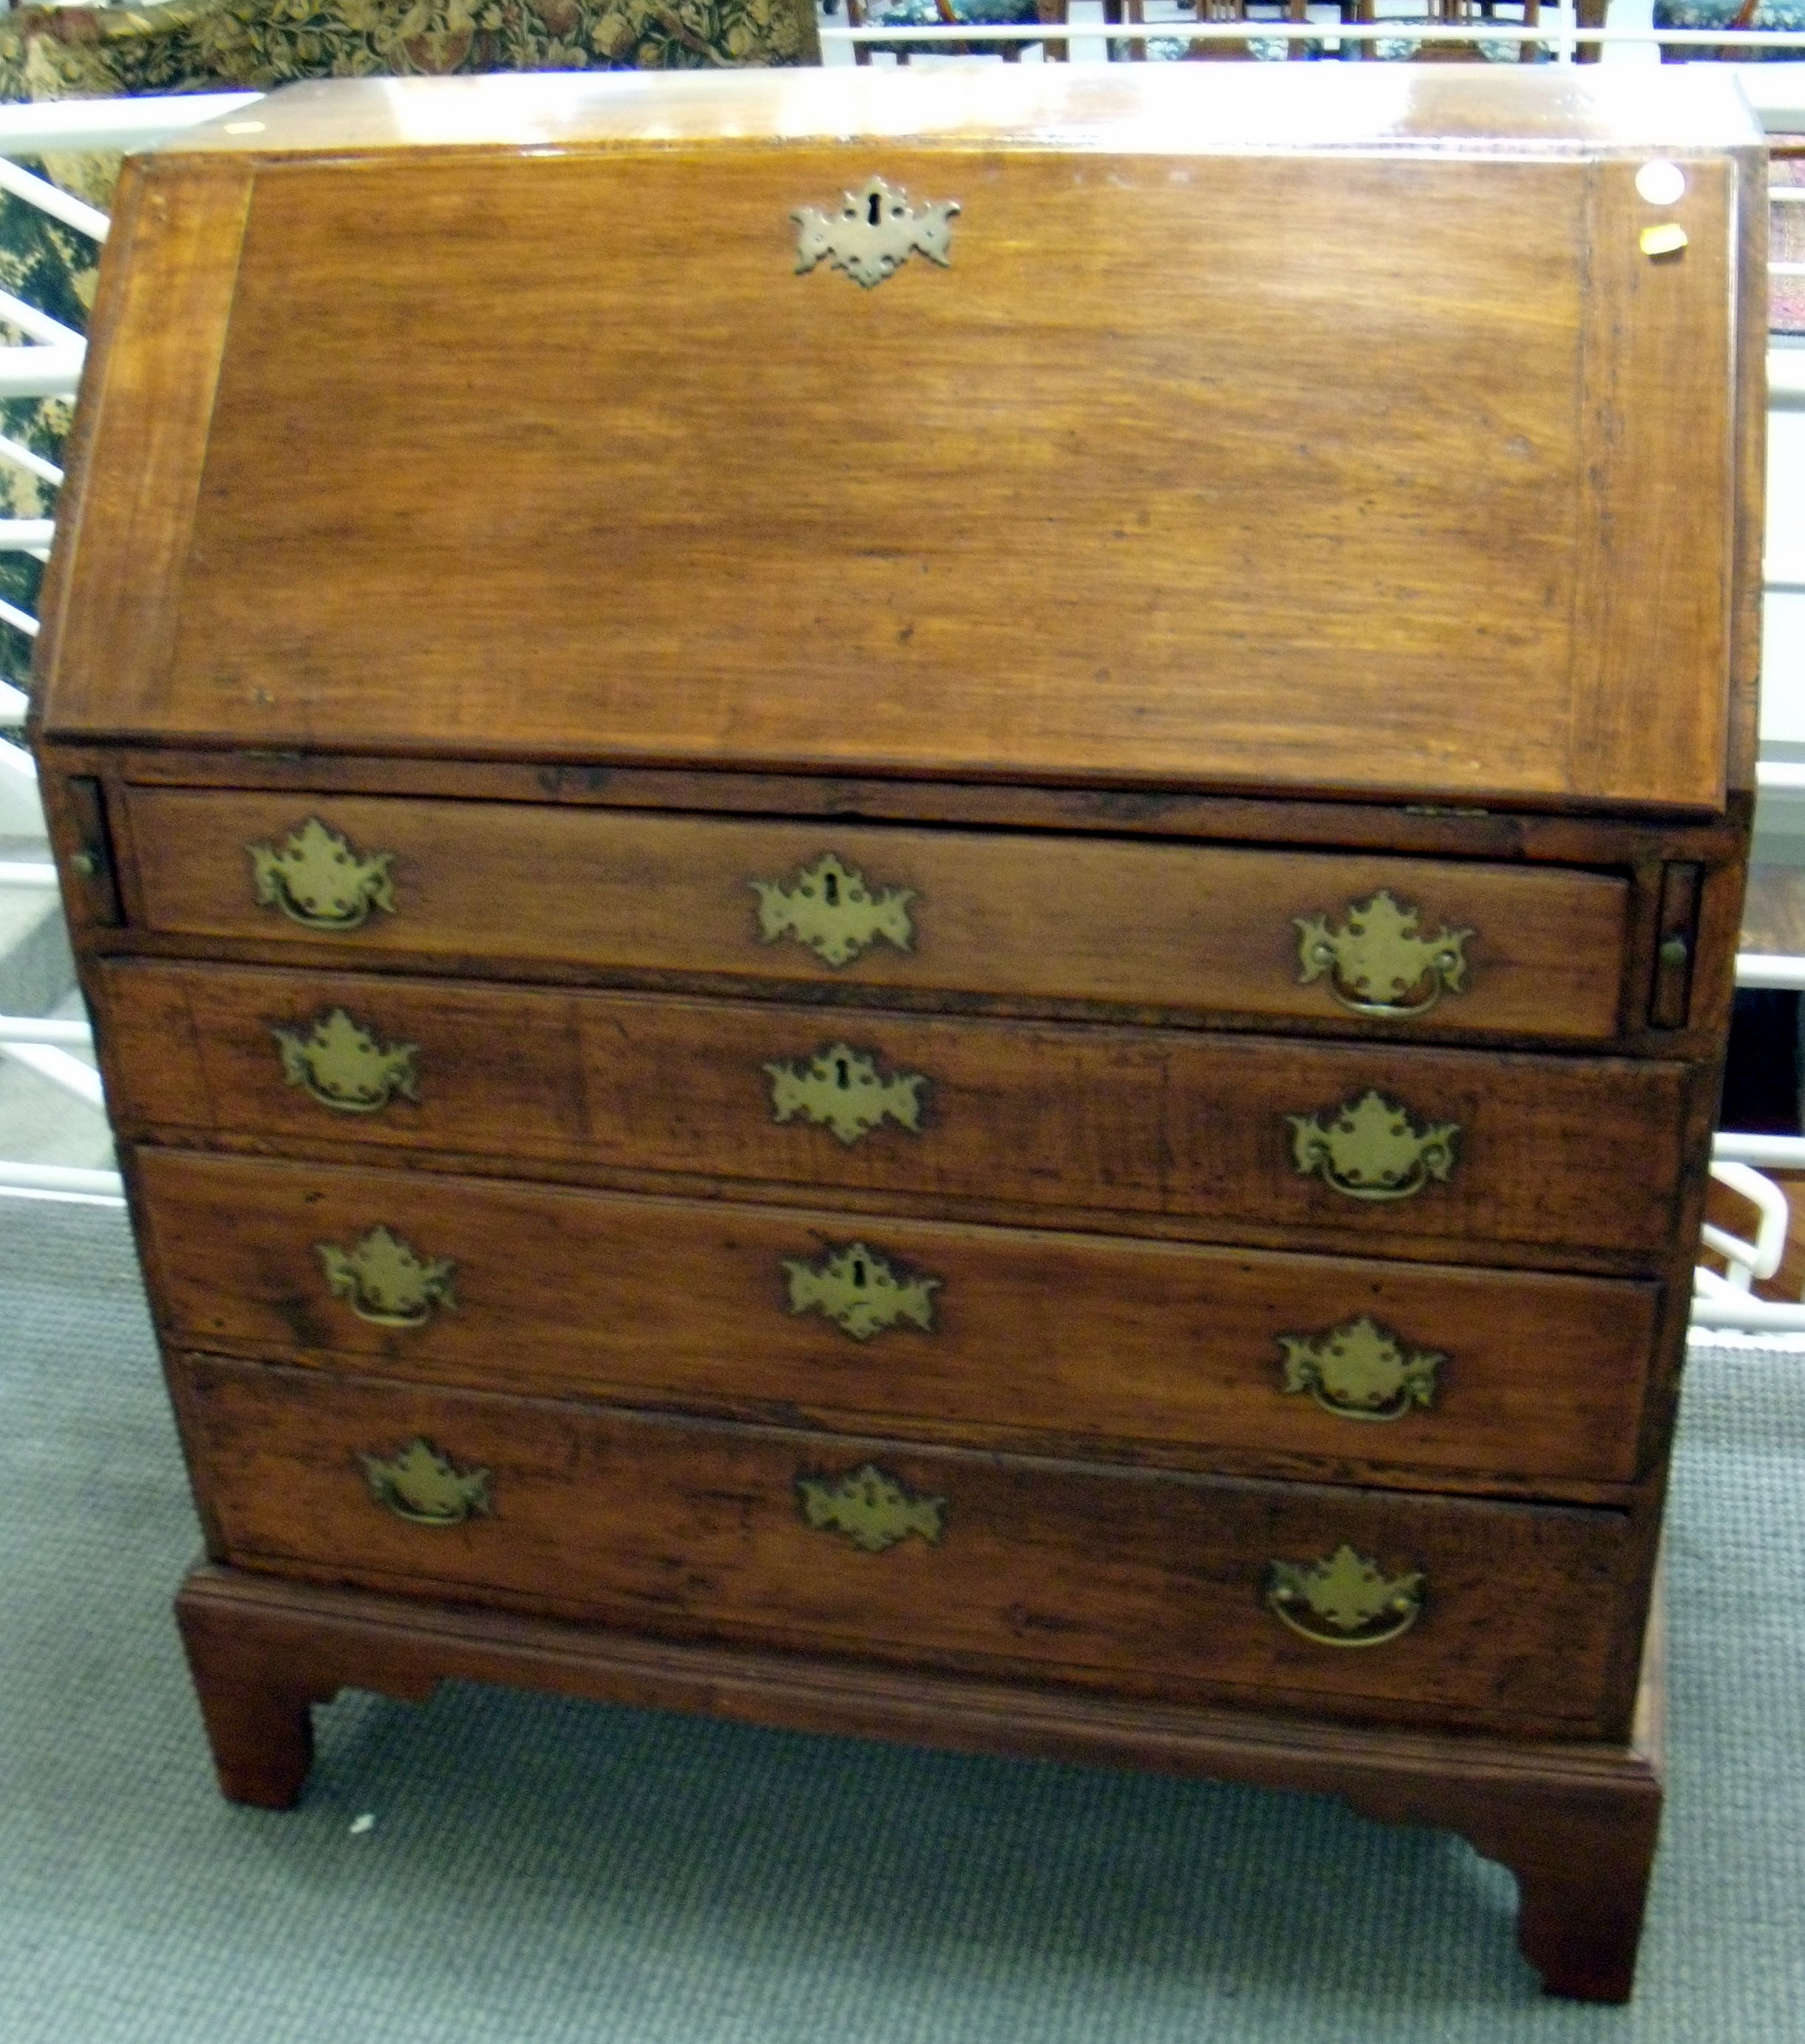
(842, 1088)
(872, 1510)
(341, 1065)
(317, 880)
(857, 1290)
(831, 908)
(1376, 964)
(421, 1486)
(385, 1282)
(1344, 1601)
(1360, 1370)
(1369, 1149)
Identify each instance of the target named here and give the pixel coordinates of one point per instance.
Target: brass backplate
(843, 1089)
(1376, 962)
(831, 908)
(874, 233)
(316, 879)
(421, 1485)
(1360, 1370)
(1344, 1601)
(1370, 1149)
(385, 1282)
(343, 1066)
(857, 1290)
(873, 1510)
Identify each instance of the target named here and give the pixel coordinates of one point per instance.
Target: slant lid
(1365, 430)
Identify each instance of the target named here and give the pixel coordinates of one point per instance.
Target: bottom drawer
(1442, 1610)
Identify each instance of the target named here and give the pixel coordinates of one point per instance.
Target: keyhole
(873, 208)
(833, 885)
(845, 1076)
(858, 1273)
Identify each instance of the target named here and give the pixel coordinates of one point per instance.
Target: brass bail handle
(1371, 1149)
(344, 1066)
(385, 1282)
(1376, 964)
(1361, 1371)
(315, 878)
(1344, 1600)
(425, 1488)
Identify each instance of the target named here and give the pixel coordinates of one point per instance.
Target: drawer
(770, 1310)
(1447, 947)
(1552, 1154)
(1461, 1611)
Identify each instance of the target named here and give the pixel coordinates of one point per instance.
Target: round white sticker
(1661, 183)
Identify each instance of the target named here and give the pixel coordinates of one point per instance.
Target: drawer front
(1189, 1587)
(1412, 945)
(1553, 1153)
(534, 1288)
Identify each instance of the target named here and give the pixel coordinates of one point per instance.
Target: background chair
(928, 13)
(1449, 13)
(1213, 12)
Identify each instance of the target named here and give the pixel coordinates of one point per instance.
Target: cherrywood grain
(665, 1300)
(1079, 918)
(1155, 1581)
(1182, 1124)
(1062, 545)
(123, 534)
(1655, 326)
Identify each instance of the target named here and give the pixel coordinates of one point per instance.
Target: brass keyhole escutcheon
(874, 233)
(843, 1089)
(858, 1291)
(832, 908)
(874, 1509)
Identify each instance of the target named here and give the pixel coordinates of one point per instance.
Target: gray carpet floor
(541, 1870)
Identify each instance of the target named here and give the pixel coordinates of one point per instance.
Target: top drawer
(1418, 945)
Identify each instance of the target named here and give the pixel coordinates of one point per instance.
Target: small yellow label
(1667, 239)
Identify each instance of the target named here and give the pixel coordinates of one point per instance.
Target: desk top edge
(1179, 110)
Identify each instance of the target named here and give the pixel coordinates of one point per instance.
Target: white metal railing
(1726, 1302)
(50, 364)
(1560, 36)
(48, 1047)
